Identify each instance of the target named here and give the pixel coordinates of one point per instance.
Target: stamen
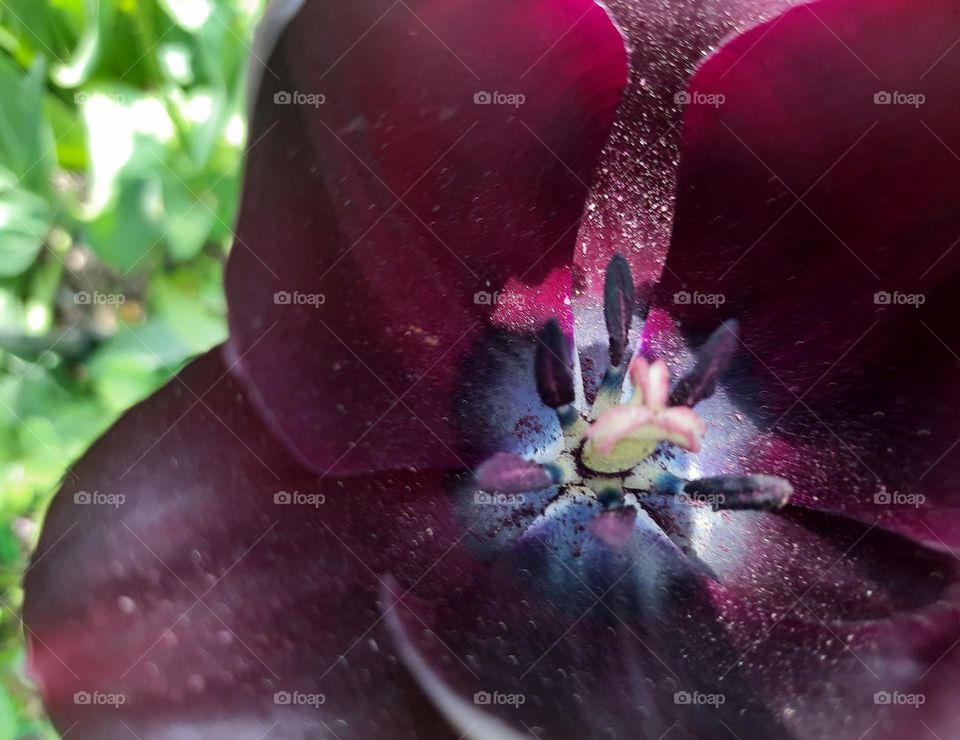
(653, 479)
(609, 491)
(651, 383)
(609, 451)
(619, 297)
(552, 366)
(609, 392)
(555, 381)
(764, 492)
(508, 473)
(713, 359)
(614, 527)
(624, 435)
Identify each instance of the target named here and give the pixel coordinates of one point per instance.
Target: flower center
(613, 448)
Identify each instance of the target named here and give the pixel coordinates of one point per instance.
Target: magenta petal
(227, 573)
(817, 204)
(420, 203)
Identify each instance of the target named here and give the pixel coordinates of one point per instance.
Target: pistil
(615, 451)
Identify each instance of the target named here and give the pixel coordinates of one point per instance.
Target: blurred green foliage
(121, 133)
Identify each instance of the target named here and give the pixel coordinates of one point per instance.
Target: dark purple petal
(631, 205)
(413, 209)
(630, 210)
(225, 574)
(601, 635)
(817, 204)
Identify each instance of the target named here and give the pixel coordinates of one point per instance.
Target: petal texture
(816, 204)
(416, 175)
(191, 567)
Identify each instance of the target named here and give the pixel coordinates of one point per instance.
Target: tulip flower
(589, 375)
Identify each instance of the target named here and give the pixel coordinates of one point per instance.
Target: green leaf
(23, 131)
(71, 147)
(99, 18)
(187, 220)
(124, 379)
(24, 222)
(38, 29)
(128, 231)
(190, 15)
(206, 112)
(8, 715)
(128, 134)
(191, 303)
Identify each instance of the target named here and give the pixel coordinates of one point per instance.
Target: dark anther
(713, 358)
(509, 473)
(554, 376)
(741, 491)
(618, 305)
